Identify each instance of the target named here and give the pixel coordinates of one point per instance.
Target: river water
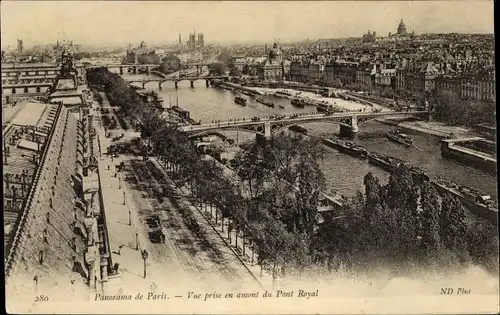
(344, 174)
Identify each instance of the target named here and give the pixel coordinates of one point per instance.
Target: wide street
(193, 254)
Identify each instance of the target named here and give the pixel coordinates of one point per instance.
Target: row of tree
(275, 202)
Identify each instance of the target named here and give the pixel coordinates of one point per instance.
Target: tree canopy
(401, 222)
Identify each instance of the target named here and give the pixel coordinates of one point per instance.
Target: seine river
(344, 174)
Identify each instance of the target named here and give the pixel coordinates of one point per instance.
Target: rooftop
(65, 84)
(24, 140)
(35, 113)
(50, 240)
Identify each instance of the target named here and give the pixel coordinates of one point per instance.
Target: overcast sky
(101, 22)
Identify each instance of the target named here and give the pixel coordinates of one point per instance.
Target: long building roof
(51, 227)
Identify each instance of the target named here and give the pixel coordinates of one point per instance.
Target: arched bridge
(176, 80)
(148, 68)
(268, 127)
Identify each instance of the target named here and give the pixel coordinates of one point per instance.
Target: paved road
(200, 251)
(193, 252)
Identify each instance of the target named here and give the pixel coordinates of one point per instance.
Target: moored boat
(386, 162)
(281, 107)
(345, 146)
(283, 93)
(240, 100)
(298, 102)
(399, 137)
(390, 163)
(476, 201)
(264, 102)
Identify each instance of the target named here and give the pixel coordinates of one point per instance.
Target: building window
(38, 89)
(25, 89)
(13, 90)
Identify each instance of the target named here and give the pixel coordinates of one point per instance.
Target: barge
(240, 101)
(478, 202)
(400, 138)
(345, 146)
(264, 102)
(297, 102)
(390, 163)
(283, 93)
(470, 151)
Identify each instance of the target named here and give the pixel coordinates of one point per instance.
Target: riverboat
(264, 102)
(480, 203)
(390, 163)
(283, 93)
(346, 146)
(240, 101)
(325, 108)
(400, 138)
(247, 93)
(298, 102)
(281, 107)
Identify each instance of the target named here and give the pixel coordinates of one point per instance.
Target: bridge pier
(148, 70)
(207, 82)
(159, 85)
(143, 85)
(135, 70)
(176, 84)
(348, 130)
(121, 70)
(192, 84)
(197, 71)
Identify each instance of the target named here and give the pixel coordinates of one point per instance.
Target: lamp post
(144, 255)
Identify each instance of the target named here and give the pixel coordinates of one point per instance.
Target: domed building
(401, 28)
(272, 68)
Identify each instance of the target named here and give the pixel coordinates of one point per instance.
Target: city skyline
(161, 22)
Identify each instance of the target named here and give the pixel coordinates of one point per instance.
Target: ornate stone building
(272, 68)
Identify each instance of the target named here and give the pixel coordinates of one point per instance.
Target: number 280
(41, 298)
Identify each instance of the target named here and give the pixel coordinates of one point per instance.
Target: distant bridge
(145, 67)
(176, 80)
(268, 127)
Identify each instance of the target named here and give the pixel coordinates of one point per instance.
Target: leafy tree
(429, 223)
(217, 68)
(452, 223)
(250, 167)
(482, 243)
(234, 71)
(373, 192)
(246, 70)
(148, 59)
(170, 63)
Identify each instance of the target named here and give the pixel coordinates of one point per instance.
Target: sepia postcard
(249, 157)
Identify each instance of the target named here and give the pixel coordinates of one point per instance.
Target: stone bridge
(148, 68)
(266, 128)
(176, 80)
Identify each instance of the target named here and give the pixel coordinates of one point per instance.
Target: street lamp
(144, 255)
